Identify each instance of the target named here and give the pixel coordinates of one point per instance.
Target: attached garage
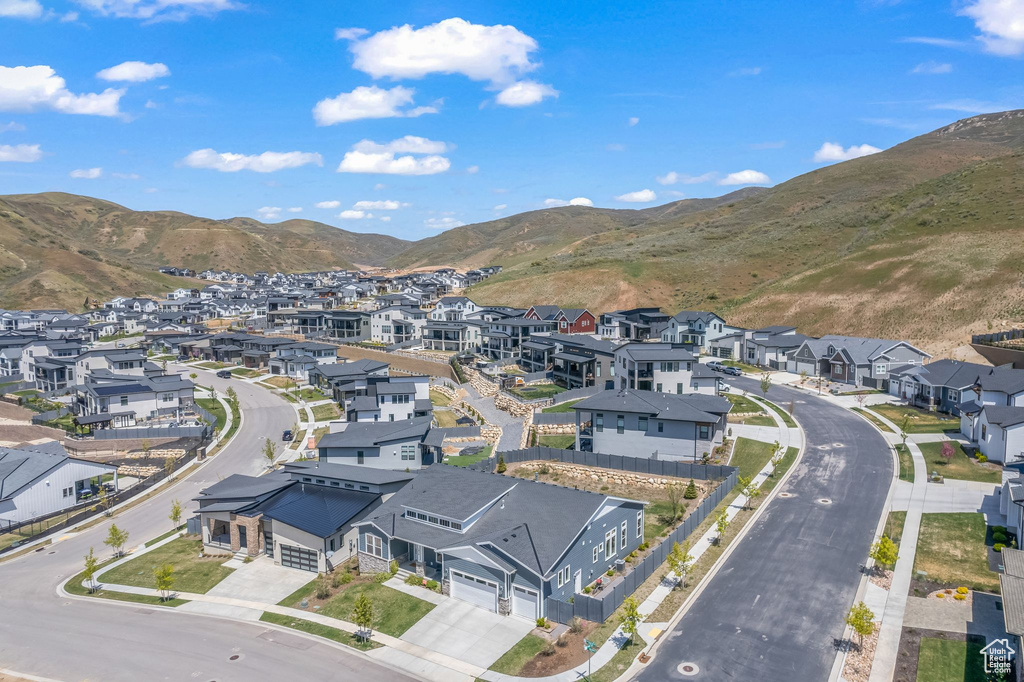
(524, 602)
(300, 558)
(476, 591)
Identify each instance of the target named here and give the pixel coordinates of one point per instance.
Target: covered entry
(300, 558)
(476, 591)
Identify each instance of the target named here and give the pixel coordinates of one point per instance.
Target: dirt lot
(568, 653)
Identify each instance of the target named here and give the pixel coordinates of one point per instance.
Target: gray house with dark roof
(854, 360)
(503, 544)
(381, 444)
(941, 385)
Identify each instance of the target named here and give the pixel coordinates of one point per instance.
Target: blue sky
(410, 118)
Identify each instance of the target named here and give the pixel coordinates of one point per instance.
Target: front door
(578, 582)
(241, 537)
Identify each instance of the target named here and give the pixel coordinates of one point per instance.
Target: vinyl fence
(554, 417)
(201, 432)
(998, 337)
(640, 465)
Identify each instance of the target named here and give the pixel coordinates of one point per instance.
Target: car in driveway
(716, 365)
(223, 374)
(732, 371)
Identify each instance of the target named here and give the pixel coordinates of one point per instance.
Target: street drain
(785, 494)
(824, 447)
(688, 669)
(234, 657)
(824, 500)
(838, 445)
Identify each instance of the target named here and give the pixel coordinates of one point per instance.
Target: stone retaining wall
(507, 403)
(554, 429)
(607, 475)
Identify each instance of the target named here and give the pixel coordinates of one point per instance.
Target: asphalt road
(49, 636)
(775, 609)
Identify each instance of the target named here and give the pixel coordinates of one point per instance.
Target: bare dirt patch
(566, 653)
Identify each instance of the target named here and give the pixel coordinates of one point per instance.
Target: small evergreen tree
(502, 467)
(691, 491)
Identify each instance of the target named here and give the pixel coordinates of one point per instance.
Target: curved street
(46, 635)
(776, 607)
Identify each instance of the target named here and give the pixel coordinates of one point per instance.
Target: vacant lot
(951, 550)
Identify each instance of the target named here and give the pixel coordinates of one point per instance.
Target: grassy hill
(56, 249)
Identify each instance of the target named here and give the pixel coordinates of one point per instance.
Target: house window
(563, 576)
(642, 424)
(611, 368)
(984, 431)
(661, 427)
(124, 401)
(620, 424)
(954, 396)
(360, 458)
(408, 453)
(599, 422)
(879, 369)
(622, 534)
(597, 553)
(599, 370)
(609, 544)
(374, 546)
(640, 523)
(658, 388)
(705, 431)
(679, 389)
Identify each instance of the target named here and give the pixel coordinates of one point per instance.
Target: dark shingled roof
(695, 407)
(316, 509)
(1003, 415)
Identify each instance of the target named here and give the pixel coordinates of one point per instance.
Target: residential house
(453, 309)
(458, 337)
(391, 399)
(695, 330)
(635, 324)
(397, 324)
(381, 444)
(664, 368)
(123, 400)
(941, 385)
(771, 347)
(855, 360)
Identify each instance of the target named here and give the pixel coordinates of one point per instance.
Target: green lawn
(951, 550)
(214, 365)
(562, 441)
(27, 393)
(439, 399)
(466, 460)
(394, 612)
(309, 627)
(311, 395)
(906, 463)
(943, 660)
(535, 391)
(74, 586)
(245, 372)
(561, 407)
(445, 418)
(788, 420)
(215, 408)
(894, 523)
(191, 572)
(960, 466)
(750, 456)
(325, 411)
(873, 419)
(513, 660)
(920, 420)
(741, 403)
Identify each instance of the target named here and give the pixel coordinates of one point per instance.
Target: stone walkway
(511, 427)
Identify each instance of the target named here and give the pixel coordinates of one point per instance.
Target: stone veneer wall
(372, 565)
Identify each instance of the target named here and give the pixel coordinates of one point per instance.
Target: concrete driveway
(261, 580)
(467, 632)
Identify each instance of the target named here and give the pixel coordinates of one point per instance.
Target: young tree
(884, 552)
(803, 376)
(164, 576)
(232, 396)
(904, 428)
(766, 383)
(146, 447)
(193, 376)
(679, 560)
(163, 366)
(777, 457)
(91, 565)
(721, 525)
(116, 539)
(169, 465)
(750, 489)
(268, 452)
(502, 467)
(175, 515)
(630, 618)
(362, 615)
(691, 491)
(213, 393)
(947, 451)
(674, 492)
(104, 499)
(861, 619)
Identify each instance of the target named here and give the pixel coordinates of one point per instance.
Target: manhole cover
(824, 447)
(838, 445)
(234, 657)
(688, 669)
(785, 494)
(824, 500)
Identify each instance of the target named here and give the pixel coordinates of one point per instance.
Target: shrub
(433, 586)
(588, 589)
(603, 488)
(982, 458)
(576, 625)
(610, 572)
(998, 546)
(413, 580)
(941, 595)
(562, 641)
(393, 566)
(323, 588)
(549, 650)
(999, 529)
(347, 578)
(542, 622)
(960, 597)
(336, 580)
(999, 537)
(382, 577)
(691, 491)
(961, 590)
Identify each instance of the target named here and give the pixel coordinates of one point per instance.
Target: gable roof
(373, 434)
(695, 407)
(944, 372)
(24, 464)
(1004, 416)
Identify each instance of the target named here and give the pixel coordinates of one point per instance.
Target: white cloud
(552, 203)
(29, 88)
(158, 10)
(473, 170)
(831, 151)
(524, 94)
(68, 17)
(382, 205)
(971, 106)
(934, 42)
(354, 215)
(134, 72)
(379, 186)
(21, 9)
(368, 102)
(1001, 23)
(125, 176)
(267, 162)
(150, 104)
(349, 33)
(932, 68)
(385, 219)
(86, 173)
(368, 156)
(501, 207)
(445, 223)
(20, 153)
(328, 204)
(295, 209)
(745, 177)
(269, 212)
(638, 197)
(580, 201)
(748, 71)
(11, 126)
(633, 120)
(672, 178)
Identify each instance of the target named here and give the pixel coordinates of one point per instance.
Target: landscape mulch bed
(564, 657)
(910, 648)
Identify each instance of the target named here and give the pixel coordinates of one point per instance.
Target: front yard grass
(951, 550)
(894, 523)
(561, 407)
(215, 408)
(873, 419)
(960, 466)
(788, 420)
(311, 395)
(325, 631)
(466, 460)
(439, 399)
(445, 418)
(921, 421)
(561, 441)
(279, 381)
(325, 412)
(750, 456)
(535, 391)
(192, 573)
(214, 365)
(945, 660)
(525, 650)
(394, 612)
(906, 463)
(245, 372)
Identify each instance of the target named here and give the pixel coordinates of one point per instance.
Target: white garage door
(482, 593)
(524, 602)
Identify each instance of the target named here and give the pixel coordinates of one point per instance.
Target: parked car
(287, 436)
(716, 365)
(223, 374)
(723, 387)
(120, 344)
(183, 358)
(732, 371)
